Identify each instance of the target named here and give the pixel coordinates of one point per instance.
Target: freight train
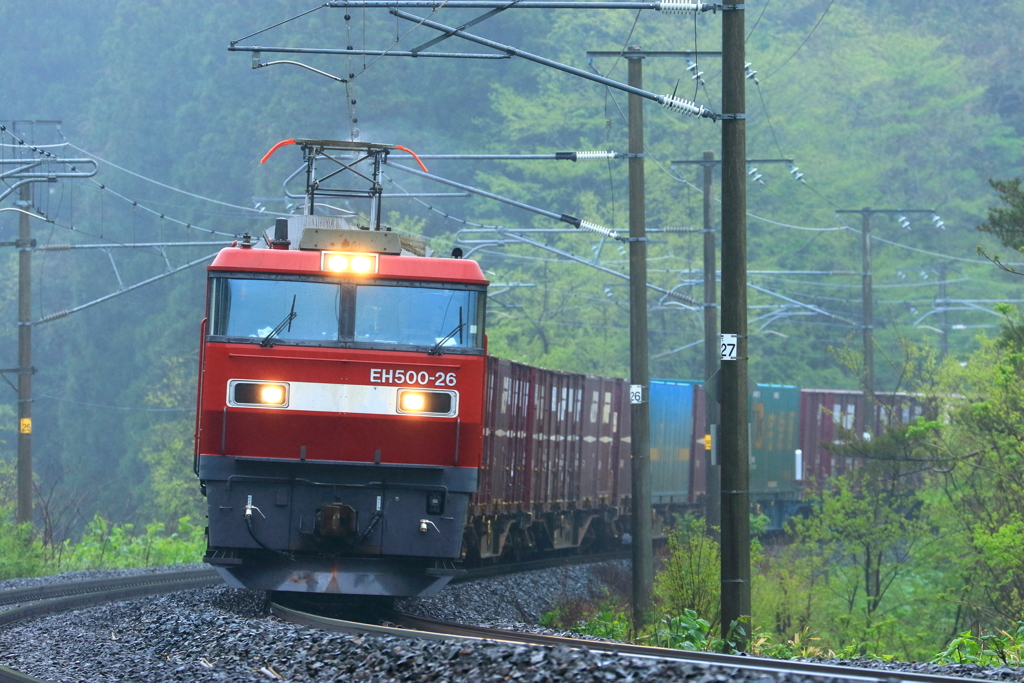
(354, 437)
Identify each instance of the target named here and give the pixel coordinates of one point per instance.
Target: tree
(979, 492)
(690, 577)
(1007, 222)
(863, 550)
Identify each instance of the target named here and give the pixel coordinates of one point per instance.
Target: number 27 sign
(728, 347)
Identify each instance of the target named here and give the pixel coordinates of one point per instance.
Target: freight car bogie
(515, 536)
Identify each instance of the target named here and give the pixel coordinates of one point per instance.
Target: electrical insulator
(679, 7)
(53, 316)
(599, 229)
(591, 156)
(683, 106)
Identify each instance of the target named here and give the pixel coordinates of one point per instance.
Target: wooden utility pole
(21, 177)
(24, 357)
(640, 415)
(867, 287)
(867, 294)
(943, 304)
(734, 433)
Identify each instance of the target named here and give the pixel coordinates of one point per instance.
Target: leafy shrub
(106, 546)
(686, 631)
(21, 553)
(690, 580)
(1005, 649)
(608, 623)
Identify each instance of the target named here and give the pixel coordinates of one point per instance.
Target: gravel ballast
(221, 633)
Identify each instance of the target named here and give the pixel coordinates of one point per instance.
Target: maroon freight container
(619, 425)
(551, 440)
(604, 431)
(504, 473)
(825, 416)
(836, 417)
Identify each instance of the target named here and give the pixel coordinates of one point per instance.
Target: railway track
(37, 601)
(42, 600)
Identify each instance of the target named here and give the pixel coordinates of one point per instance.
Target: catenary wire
(820, 19)
(108, 407)
(169, 187)
(754, 27)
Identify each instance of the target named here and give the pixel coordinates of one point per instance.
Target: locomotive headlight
(336, 263)
(272, 394)
(361, 264)
(341, 262)
(412, 401)
(257, 394)
(423, 402)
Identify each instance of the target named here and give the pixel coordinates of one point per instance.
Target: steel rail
(45, 599)
(490, 570)
(61, 596)
(408, 626)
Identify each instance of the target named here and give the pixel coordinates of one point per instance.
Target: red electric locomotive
(341, 399)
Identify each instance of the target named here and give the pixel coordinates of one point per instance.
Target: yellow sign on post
(26, 425)
(707, 442)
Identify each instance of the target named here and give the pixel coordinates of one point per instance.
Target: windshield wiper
(436, 351)
(267, 343)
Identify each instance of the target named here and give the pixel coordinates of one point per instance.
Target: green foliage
(609, 622)
(1007, 222)
(861, 553)
(118, 546)
(167, 447)
(1002, 649)
(686, 631)
(977, 492)
(21, 553)
(690, 579)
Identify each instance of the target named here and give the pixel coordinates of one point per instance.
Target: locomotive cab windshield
(383, 314)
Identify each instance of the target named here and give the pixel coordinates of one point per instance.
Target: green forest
(908, 106)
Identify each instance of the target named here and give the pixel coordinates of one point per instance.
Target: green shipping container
(774, 439)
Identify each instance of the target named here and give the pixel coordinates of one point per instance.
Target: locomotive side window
(312, 312)
(417, 316)
(256, 308)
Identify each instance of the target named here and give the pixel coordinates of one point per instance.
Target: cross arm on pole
(258, 50)
(718, 162)
(565, 218)
(670, 102)
(870, 211)
(24, 178)
(652, 53)
(471, 22)
(664, 6)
